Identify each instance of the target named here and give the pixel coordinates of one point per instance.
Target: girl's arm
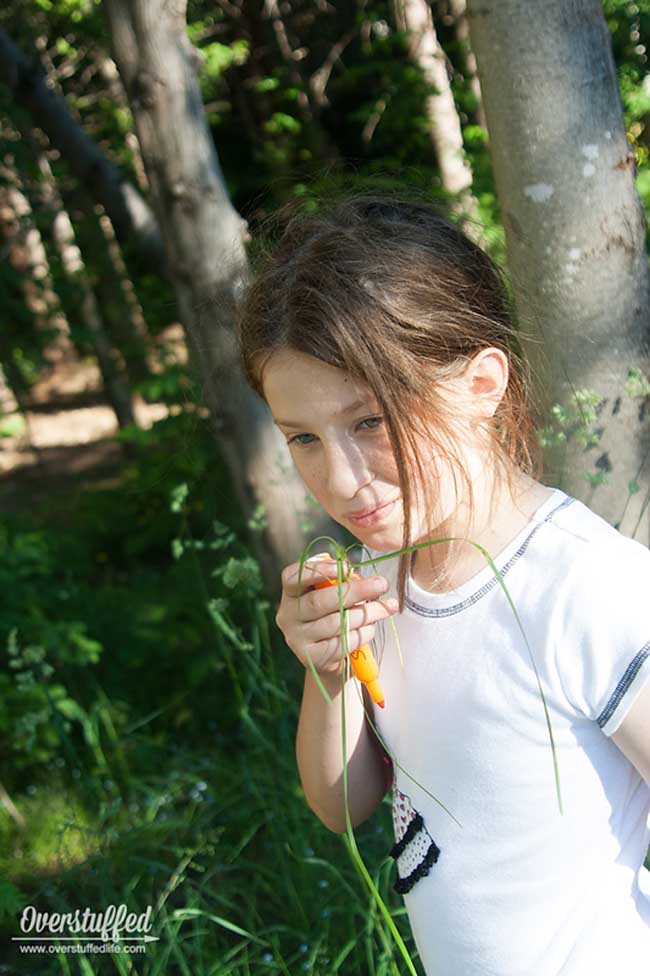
(633, 735)
(319, 754)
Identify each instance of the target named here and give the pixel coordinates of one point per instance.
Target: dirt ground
(67, 438)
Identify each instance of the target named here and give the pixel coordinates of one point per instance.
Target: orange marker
(363, 663)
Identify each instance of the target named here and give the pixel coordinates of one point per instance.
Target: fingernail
(392, 605)
(318, 556)
(379, 585)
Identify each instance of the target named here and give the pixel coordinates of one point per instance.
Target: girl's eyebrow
(350, 407)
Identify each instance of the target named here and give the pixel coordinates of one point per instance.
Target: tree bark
(204, 243)
(458, 11)
(63, 236)
(414, 16)
(574, 226)
(129, 212)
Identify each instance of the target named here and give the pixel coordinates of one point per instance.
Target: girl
(380, 337)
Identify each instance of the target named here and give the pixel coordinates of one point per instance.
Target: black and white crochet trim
(414, 836)
(402, 885)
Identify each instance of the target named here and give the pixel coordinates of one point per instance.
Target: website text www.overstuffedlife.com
(115, 930)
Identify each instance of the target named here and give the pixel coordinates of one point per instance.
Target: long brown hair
(392, 291)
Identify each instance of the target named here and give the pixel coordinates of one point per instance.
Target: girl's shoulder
(598, 613)
(592, 568)
(590, 538)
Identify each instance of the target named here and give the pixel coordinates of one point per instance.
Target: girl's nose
(346, 471)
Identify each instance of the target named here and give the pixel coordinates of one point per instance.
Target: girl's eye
(375, 421)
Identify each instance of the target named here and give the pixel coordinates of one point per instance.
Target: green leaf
(12, 425)
(266, 84)
(11, 899)
(178, 497)
(281, 122)
(637, 384)
(220, 57)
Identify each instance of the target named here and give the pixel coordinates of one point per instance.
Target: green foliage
(169, 777)
(638, 384)
(169, 385)
(220, 57)
(11, 900)
(147, 703)
(75, 10)
(12, 425)
(574, 420)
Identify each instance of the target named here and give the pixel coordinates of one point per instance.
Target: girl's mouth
(378, 515)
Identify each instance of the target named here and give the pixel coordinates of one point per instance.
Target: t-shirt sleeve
(603, 631)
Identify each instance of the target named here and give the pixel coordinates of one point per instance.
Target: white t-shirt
(520, 889)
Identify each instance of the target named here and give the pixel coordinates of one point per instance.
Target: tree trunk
(63, 236)
(27, 255)
(120, 310)
(128, 211)
(120, 306)
(22, 248)
(204, 242)
(575, 230)
(458, 11)
(414, 16)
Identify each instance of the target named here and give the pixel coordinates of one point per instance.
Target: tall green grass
(181, 791)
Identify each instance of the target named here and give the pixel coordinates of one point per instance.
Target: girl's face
(340, 447)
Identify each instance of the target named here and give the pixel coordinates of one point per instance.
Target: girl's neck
(501, 512)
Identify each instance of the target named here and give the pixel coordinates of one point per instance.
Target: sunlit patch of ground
(66, 434)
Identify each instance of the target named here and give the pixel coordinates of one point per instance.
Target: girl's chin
(381, 537)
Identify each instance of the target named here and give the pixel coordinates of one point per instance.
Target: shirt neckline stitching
(483, 590)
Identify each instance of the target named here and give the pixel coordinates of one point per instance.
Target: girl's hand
(317, 634)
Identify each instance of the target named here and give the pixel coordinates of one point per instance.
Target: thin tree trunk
(458, 11)
(63, 236)
(575, 228)
(23, 249)
(27, 256)
(11, 808)
(127, 209)
(414, 16)
(8, 401)
(121, 308)
(204, 242)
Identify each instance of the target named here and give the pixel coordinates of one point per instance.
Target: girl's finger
(367, 613)
(319, 603)
(327, 652)
(312, 572)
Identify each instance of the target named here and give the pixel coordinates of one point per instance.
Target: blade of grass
(349, 834)
(181, 914)
(341, 557)
(499, 578)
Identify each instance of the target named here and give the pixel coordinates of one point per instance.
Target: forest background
(147, 703)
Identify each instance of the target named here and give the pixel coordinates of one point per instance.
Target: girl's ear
(487, 379)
